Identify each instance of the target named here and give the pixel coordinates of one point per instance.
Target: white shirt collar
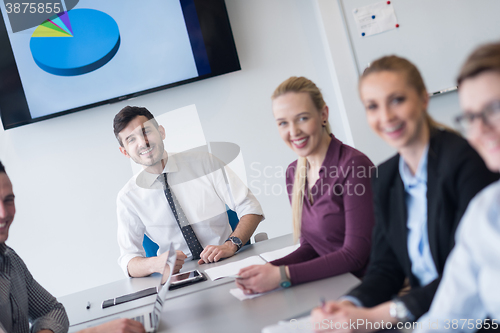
(150, 180)
(421, 173)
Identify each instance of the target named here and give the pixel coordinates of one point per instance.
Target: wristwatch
(236, 241)
(285, 281)
(399, 311)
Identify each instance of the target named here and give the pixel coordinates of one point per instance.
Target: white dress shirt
(203, 186)
(469, 289)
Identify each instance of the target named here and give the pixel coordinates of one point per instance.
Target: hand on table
(178, 262)
(117, 326)
(258, 279)
(213, 253)
(338, 316)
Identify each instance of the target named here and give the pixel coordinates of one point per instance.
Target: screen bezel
(219, 45)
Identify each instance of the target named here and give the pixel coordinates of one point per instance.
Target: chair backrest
(150, 247)
(233, 218)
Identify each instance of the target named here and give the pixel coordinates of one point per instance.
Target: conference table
(209, 306)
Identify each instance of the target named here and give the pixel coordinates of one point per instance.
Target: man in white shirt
(188, 190)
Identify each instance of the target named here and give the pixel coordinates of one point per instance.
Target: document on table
(239, 294)
(233, 268)
(278, 254)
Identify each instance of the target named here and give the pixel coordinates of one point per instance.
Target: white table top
(208, 306)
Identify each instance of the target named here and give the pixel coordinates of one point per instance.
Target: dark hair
(2, 168)
(126, 115)
(484, 58)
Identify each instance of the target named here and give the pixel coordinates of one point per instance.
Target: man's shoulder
(129, 186)
(193, 165)
(488, 199)
(15, 259)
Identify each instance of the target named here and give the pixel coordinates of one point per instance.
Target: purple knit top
(336, 229)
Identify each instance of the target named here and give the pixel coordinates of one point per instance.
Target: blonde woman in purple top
(330, 192)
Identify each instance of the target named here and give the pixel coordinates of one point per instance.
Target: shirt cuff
(50, 324)
(353, 300)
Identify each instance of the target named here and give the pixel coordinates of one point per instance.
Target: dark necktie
(186, 229)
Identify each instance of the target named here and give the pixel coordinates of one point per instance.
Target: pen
(443, 91)
(323, 302)
(88, 305)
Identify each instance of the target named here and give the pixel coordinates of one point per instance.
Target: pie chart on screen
(75, 42)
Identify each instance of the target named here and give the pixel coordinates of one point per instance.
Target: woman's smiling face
(300, 124)
(395, 110)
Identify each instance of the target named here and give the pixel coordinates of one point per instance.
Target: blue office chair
(151, 247)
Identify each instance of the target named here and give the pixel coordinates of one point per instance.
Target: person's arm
(344, 317)
(358, 216)
(304, 253)
(45, 312)
(130, 235)
(262, 278)
(140, 267)
(123, 325)
(239, 198)
(385, 276)
(244, 230)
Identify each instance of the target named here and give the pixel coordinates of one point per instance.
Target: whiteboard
(436, 35)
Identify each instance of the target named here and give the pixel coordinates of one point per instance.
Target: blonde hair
(397, 64)
(484, 58)
(300, 84)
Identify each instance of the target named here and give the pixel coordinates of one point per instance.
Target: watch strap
(238, 245)
(285, 281)
(399, 311)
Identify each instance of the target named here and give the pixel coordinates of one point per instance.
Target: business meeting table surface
(208, 306)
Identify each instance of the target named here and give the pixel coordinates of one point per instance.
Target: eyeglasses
(490, 115)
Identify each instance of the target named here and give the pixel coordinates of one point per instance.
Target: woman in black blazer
(420, 195)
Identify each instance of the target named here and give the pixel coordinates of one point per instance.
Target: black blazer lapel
(434, 194)
(397, 223)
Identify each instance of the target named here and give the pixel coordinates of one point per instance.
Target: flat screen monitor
(101, 52)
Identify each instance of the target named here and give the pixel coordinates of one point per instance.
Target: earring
(324, 123)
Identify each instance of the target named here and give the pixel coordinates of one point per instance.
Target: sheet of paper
(303, 325)
(278, 254)
(238, 293)
(375, 18)
(233, 268)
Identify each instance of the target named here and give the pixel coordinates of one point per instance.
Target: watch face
(285, 284)
(236, 241)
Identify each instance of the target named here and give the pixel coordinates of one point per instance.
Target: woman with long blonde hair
(330, 192)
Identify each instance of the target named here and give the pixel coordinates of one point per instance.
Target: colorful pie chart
(75, 42)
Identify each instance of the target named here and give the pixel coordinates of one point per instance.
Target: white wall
(344, 76)
(67, 171)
